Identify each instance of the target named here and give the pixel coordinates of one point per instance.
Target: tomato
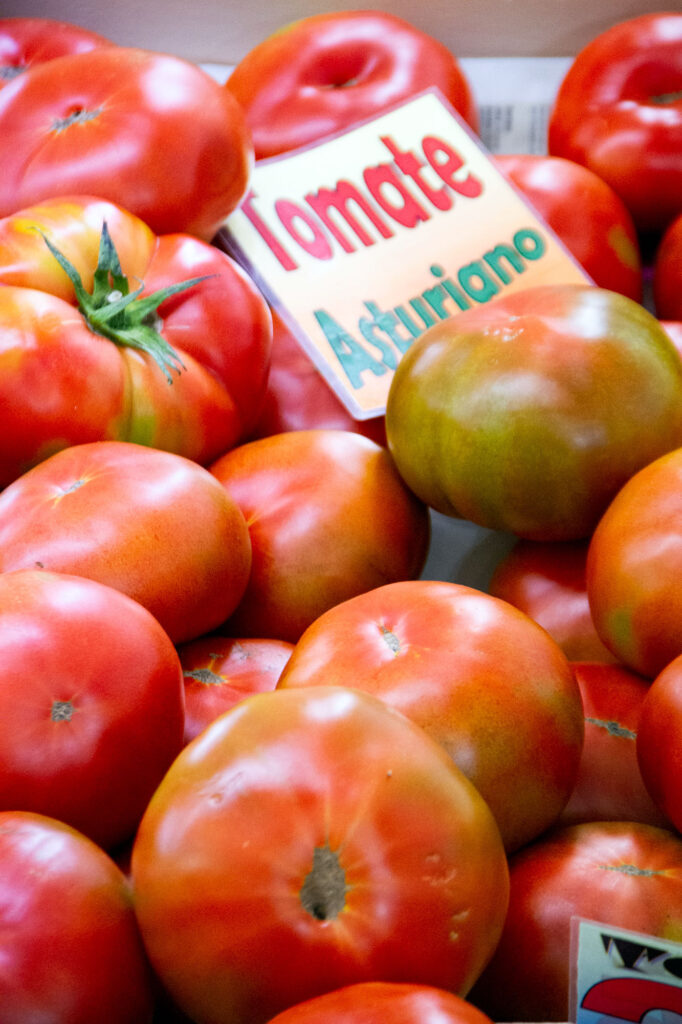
(377, 1002)
(328, 517)
(618, 111)
(93, 688)
(310, 839)
(220, 671)
(154, 525)
(526, 414)
(673, 329)
(74, 378)
(667, 273)
(634, 562)
(475, 673)
(624, 874)
(588, 216)
(548, 583)
(28, 41)
(122, 123)
(321, 74)
(297, 396)
(659, 741)
(70, 949)
(609, 786)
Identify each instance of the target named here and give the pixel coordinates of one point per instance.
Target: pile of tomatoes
(254, 766)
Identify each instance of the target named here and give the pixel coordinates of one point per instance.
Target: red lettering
(316, 243)
(339, 198)
(630, 998)
(266, 234)
(410, 213)
(448, 167)
(408, 163)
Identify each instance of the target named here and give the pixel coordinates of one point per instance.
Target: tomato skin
(659, 741)
(143, 119)
(525, 415)
(624, 874)
(609, 786)
(221, 329)
(588, 216)
(297, 396)
(238, 934)
(28, 41)
(70, 947)
(634, 562)
(152, 524)
(548, 583)
(477, 675)
(328, 517)
(323, 73)
(619, 112)
(93, 688)
(377, 1002)
(667, 273)
(220, 671)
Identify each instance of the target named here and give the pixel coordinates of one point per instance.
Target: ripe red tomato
(619, 112)
(122, 123)
(321, 74)
(667, 273)
(383, 1002)
(588, 216)
(476, 674)
(526, 414)
(75, 378)
(311, 839)
(93, 688)
(328, 516)
(297, 396)
(70, 949)
(624, 874)
(609, 786)
(659, 741)
(152, 524)
(548, 583)
(220, 671)
(28, 41)
(634, 562)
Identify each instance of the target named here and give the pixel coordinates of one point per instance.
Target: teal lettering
(476, 282)
(388, 322)
(529, 243)
(354, 359)
(495, 257)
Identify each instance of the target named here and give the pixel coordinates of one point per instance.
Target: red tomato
(609, 785)
(588, 216)
(329, 517)
(383, 1002)
(624, 874)
(667, 275)
(122, 123)
(659, 741)
(297, 396)
(548, 583)
(634, 562)
(525, 415)
(321, 74)
(28, 41)
(93, 688)
(72, 379)
(70, 949)
(476, 674)
(618, 111)
(307, 840)
(220, 671)
(152, 524)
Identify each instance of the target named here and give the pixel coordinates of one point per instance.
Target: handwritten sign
(370, 237)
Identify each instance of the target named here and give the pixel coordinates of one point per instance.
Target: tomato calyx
(666, 99)
(118, 314)
(323, 893)
(204, 676)
(10, 71)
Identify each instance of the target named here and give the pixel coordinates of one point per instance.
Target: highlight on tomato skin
(279, 859)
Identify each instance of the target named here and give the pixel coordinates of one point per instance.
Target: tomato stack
(254, 766)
